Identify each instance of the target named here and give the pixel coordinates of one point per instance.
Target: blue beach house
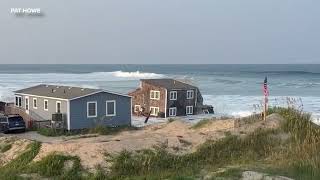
(76, 107)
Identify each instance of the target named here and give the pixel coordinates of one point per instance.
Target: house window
(45, 105)
(154, 111)
(173, 95)
(92, 109)
(137, 108)
(189, 110)
(190, 94)
(154, 94)
(18, 102)
(35, 105)
(58, 107)
(111, 108)
(27, 103)
(173, 111)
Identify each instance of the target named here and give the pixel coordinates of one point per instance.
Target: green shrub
(51, 132)
(171, 120)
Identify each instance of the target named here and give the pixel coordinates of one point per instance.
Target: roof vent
(58, 87)
(47, 85)
(69, 87)
(82, 89)
(53, 90)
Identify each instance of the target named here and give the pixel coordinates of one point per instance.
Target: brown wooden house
(166, 98)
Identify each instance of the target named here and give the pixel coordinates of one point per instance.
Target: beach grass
(5, 147)
(293, 150)
(101, 130)
(201, 123)
(263, 150)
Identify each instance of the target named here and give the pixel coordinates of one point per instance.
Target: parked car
(12, 123)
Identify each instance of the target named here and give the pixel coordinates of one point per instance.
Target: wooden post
(265, 108)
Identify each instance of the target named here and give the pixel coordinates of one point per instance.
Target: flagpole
(266, 94)
(265, 108)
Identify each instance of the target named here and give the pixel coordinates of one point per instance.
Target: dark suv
(12, 123)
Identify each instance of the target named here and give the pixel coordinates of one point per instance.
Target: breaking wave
(119, 81)
(136, 74)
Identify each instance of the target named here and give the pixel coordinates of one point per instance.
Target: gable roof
(169, 83)
(61, 92)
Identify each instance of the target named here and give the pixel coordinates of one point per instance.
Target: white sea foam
(136, 74)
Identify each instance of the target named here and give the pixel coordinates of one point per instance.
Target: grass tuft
(16, 166)
(201, 123)
(53, 165)
(5, 147)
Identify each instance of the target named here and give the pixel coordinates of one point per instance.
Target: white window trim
(137, 106)
(96, 113)
(175, 114)
(17, 103)
(44, 105)
(114, 106)
(154, 108)
(154, 91)
(25, 103)
(35, 107)
(57, 106)
(176, 95)
(188, 113)
(192, 92)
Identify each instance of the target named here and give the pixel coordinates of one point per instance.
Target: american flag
(265, 87)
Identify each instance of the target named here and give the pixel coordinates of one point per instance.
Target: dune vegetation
(293, 150)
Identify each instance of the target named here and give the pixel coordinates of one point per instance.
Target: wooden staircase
(29, 118)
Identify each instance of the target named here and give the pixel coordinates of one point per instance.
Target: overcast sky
(161, 31)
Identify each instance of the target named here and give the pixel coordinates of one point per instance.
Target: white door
(27, 104)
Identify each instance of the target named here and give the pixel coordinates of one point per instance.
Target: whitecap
(136, 74)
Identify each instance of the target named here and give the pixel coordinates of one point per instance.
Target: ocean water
(232, 89)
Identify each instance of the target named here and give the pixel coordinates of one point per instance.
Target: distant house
(167, 98)
(79, 107)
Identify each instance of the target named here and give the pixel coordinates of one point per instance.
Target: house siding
(78, 111)
(39, 111)
(142, 97)
(181, 102)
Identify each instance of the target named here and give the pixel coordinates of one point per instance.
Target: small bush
(51, 132)
(171, 120)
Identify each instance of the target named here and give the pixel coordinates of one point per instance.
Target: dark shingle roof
(169, 83)
(57, 91)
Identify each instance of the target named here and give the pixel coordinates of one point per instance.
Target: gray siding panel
(39, 111)
(78, 111)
